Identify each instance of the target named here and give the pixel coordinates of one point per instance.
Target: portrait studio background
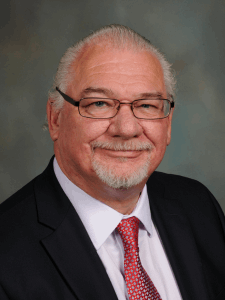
(35, 34)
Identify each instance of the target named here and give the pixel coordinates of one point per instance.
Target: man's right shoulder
(25, 193)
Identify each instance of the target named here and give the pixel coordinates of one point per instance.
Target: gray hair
(119, 36)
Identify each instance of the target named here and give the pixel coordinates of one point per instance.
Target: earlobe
(168, 136)
(169, 128)
(53, 120)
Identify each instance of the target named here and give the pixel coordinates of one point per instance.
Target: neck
(121, 200)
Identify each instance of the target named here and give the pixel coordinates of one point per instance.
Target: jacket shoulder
(191, 194)
(21, 195)
(177, 183)
(174, 178)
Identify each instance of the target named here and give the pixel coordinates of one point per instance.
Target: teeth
(122, 150)
(122, 147)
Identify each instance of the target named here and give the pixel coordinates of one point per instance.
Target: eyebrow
(109, 93)
(104, 91)
(157, 95)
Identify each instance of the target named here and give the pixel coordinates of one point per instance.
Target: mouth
(122, 153)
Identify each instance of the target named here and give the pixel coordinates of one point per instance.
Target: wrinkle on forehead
(127, 68)
(98, 55)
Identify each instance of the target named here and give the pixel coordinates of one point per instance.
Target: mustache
(122, 146)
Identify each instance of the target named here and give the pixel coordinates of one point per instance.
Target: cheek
(158, 138)
(154, 129)
(80, 133)
(157, 134)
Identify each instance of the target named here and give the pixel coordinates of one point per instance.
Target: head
(121, 152)
(117, 36)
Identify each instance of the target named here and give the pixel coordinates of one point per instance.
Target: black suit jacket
(46, 253)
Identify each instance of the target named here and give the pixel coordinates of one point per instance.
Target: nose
(125, 124)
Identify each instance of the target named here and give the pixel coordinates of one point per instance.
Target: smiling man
(99, 222)
(114, 149)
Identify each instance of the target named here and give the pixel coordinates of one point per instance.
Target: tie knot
(128, 230)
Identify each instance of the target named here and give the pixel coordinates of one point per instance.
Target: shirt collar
(99, 219)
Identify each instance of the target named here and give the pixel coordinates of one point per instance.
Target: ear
(53, 116)
(169, 127)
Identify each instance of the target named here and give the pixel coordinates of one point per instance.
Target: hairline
(112, 36)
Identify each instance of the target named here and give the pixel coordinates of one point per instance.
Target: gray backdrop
(35, 34)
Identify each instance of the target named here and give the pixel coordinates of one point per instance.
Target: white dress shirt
(100, 221)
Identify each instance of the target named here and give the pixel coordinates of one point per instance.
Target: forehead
(118, 69)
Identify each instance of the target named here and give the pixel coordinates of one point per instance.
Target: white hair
(118, 36)
(117, 178)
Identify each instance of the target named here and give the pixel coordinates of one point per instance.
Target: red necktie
(139, 284)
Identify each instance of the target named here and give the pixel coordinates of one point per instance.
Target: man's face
(93, 150)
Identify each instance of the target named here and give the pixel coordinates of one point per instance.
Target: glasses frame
(77, 103)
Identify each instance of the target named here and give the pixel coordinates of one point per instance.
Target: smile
(123, 153)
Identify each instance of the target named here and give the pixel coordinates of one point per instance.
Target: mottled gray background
(35, 34)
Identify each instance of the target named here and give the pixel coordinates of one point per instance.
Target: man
(88, 227)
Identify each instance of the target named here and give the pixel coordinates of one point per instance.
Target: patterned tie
(139, 285)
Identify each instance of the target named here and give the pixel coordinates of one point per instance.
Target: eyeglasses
(105, 108)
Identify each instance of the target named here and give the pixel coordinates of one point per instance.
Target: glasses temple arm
(67, 98)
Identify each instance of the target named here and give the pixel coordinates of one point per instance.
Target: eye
(146, 105)
(149, 104)
(99, 103)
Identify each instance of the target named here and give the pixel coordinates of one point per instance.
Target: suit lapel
(76, 258)
(74, 255)
(178, 241)
(69, 245)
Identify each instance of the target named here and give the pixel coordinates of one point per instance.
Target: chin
(124, 177)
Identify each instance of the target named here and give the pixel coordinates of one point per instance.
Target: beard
(110, 176)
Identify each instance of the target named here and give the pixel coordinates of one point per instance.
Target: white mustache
(119, 146)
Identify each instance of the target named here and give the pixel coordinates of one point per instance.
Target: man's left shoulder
(190, 193)
(176, 184)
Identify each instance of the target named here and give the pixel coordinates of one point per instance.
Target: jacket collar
(177, 239)
(72, 251)
(69, 245)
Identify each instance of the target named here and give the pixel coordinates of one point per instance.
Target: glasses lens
(98, 108)
(151, 109)
(103, 108)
